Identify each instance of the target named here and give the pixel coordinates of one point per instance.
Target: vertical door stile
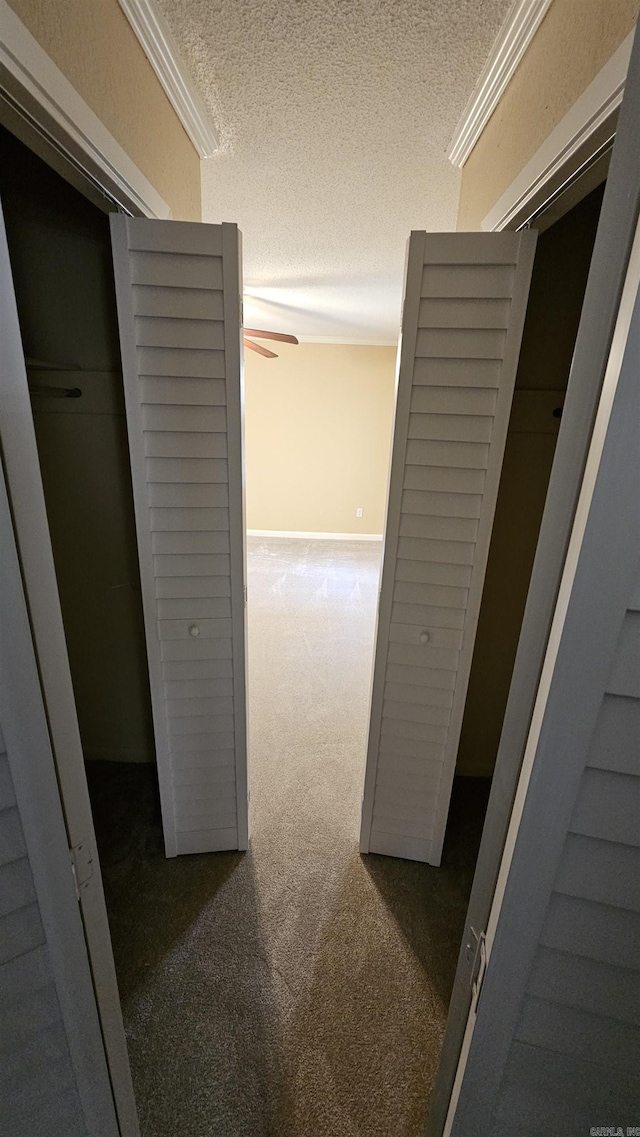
(178, 294)
(232, 291)
(464, 309)
(406, 352)
(128, 351)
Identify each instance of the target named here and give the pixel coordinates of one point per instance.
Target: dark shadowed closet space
(560, 270)
(61, 261)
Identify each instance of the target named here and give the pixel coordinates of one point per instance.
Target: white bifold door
(179, 311)
(464, 308)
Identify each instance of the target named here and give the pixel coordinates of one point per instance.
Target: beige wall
(94, 46)
(318, 433)
(574, 41)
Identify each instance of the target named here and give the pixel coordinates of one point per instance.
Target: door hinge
(477, 949)
(81, 866)
(245, 596)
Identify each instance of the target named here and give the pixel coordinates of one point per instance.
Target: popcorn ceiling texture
(335, 118)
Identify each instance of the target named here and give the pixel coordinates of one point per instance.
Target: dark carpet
(297, 990)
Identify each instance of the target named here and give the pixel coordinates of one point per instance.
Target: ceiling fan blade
(259, 348)
(262, 335)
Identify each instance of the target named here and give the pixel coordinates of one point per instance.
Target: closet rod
(56, 392)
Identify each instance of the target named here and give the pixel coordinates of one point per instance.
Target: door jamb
(24, 488)
(44, 110)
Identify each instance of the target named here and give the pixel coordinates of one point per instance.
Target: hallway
(298, 989)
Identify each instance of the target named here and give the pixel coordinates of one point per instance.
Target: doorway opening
(287, 953)
(318, 425)
(365, 943)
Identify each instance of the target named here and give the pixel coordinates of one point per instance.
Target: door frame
(30, 525)
(41, 107)
(585, 132)
(607, 275)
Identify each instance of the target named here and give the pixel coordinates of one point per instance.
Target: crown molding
(163, 54)
(43, 96)
(520, 26)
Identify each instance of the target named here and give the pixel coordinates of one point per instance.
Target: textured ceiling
(334, 118)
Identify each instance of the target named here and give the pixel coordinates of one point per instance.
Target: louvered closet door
(178, 293)
(464, 309)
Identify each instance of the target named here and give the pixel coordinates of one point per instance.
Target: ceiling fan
(262, 335)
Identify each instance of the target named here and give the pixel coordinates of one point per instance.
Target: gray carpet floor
(297, 989)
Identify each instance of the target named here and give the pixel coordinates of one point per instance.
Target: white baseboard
(315, 536)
